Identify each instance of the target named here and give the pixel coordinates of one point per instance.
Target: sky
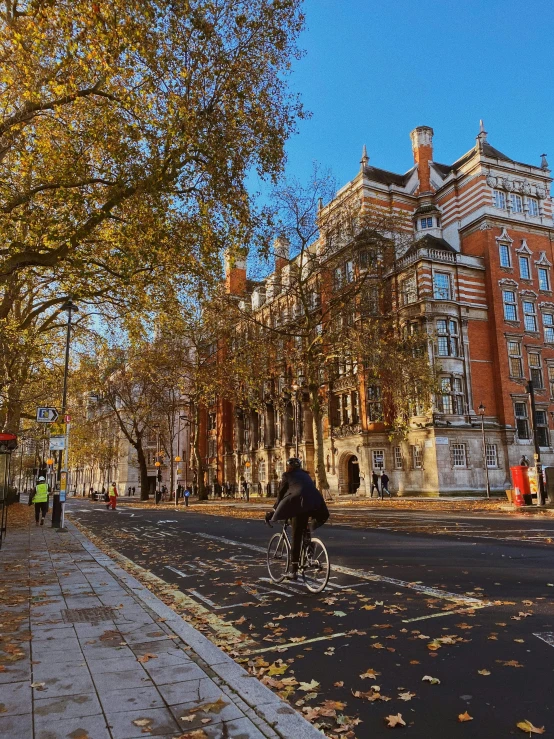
(374, 70)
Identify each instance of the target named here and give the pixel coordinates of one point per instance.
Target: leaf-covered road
(435, 635)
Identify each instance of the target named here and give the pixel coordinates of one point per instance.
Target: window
(510, 305)
(374, 403)
(514, 359)
(544, 281)
(212, 447)
(369, 300)
(505, 260)
(524, 269)
(261, 471)
(459, 457)
(548, 323)
(447, 338)
(378, 456)
(522, 420)
(355, 403)
(417, 461)
(398, 461)
(499, 199)
(451, 398)
(445, 398)
(441, 286)
(349, 270)
(551, 380)
(491, 456)
(529, 315)
(517, 204)
(458, 396)
(408, 290)
(536, 370)
(541, 428)
(211, 421)
(337, 278)
(426, 223)
(533, 206)
(345, 407)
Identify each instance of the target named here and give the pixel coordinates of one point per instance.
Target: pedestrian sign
(57, 443)
(47, 415)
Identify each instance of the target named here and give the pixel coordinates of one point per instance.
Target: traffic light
(159, 475)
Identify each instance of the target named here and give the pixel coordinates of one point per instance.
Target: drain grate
(87, 615)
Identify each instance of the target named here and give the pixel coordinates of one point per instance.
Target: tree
(333, 311)
(126, 134)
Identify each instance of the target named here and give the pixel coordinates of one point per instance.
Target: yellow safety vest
(41, 494)
(111, 492)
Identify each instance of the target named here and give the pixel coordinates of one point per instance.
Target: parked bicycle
(313, 564)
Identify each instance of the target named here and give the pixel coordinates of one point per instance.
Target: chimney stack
(235, 272)
(422, 147)
(281, 249)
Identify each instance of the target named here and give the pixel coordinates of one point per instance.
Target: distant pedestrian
(385, 484)
(104, 494)
(112, 496)
(245, 490)
(133, 489)
(129, 492)
(40, 499)
(374, 483)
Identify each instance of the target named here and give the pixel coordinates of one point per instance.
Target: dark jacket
(297, 494)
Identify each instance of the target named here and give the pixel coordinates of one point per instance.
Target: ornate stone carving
(527, 188)
(491, 181)
(518, 185)
(506, 282)
(346, 382)
(485, 226)
(541, 192)
(509, 185)
(351, 430)
(528, 293)
(499, 182)
(504, 237)
(546, 306)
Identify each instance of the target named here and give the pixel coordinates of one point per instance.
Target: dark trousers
(41, 508)
(299, 526)
(187, 501)
(375, 487)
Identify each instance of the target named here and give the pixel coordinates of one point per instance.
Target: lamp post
(295, 387)
(481, 411)
(59, 494)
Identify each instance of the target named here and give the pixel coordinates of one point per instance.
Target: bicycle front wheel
(278, 557)
(316, 568)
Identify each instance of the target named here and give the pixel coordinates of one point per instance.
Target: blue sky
(373, 71)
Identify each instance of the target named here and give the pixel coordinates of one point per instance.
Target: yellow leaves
(509, 663)
(432, 680)
(371, 674)
(147, 657)
(145, 723)
(434, 645)
(277, 668)
(406, 696)
(528, 726)
(462, 717)
(368, 608)
(483, 672)
(394, 721)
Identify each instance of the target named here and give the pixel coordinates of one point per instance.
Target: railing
(435, 255)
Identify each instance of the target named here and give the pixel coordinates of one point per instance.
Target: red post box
(520, 482)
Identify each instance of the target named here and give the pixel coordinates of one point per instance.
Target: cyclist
(298, 499)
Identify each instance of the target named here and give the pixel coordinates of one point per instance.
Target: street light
(481, 411)
(295, 387)
(58, 498)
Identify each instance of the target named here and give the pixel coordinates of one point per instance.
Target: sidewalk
(87, 652)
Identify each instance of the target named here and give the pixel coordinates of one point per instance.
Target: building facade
(477, 279)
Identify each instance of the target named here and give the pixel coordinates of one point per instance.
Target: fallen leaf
(464, 717)
(483, 672)
(370, 673)
(528, 726)
(308, 686)
(339, 613)
(393, 721)
(38, 686)
(368, 608)
(147, 657)
(277, 669)
(339, 684)
(142, 722)
(407, 696)
(432, 680)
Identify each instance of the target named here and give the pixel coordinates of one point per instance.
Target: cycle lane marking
(547, 637)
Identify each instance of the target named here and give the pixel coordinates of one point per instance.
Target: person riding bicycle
(298, 499)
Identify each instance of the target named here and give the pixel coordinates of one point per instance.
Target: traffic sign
(47, 415)
(57, 443)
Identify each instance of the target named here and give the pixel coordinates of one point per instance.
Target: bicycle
(314, 563)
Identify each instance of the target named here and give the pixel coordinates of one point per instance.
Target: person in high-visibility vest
(112, 494)
(40, 499)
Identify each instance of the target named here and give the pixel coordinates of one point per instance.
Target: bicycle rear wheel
(278, 557)
(316, 568)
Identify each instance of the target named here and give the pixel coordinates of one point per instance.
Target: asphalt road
(417, 595)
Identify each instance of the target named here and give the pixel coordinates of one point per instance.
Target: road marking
(445, 613)
(282, 647)
(546, 636)
(177, 572)
(362, 575)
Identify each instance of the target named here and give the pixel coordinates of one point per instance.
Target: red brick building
(479, 281)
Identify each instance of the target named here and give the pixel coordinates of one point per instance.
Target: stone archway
(349, 473)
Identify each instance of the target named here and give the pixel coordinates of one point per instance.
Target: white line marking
(546, 636)
(445, 613)
(178, 572)
(362, 575)
(279, 647)
(203, 598)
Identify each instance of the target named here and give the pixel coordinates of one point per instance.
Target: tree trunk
(143, 469)
(202, 492)
(319, 452)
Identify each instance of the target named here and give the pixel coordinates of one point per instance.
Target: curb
(251, 695)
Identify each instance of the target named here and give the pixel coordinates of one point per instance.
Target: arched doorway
(353, 474)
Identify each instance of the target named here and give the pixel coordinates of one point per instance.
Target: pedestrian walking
(133, 489)
(374, 483)
(187, 496)
(384, 484)
(244, 486)
(129, 492)
(40, 499)
(112, 496)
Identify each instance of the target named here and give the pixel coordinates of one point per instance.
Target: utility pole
(538, 467)
(59, 494)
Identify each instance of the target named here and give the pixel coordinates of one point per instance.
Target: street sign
(57, 443)
(47, 415)
(58, 429)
